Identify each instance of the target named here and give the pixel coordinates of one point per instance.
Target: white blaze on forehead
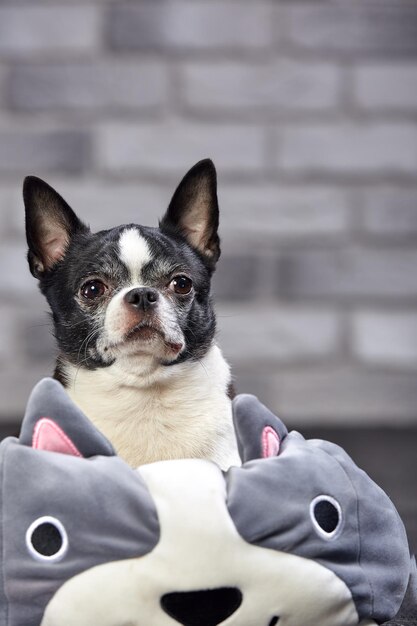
(134, 252)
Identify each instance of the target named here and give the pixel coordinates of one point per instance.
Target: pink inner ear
(270, 442)
(47, 435)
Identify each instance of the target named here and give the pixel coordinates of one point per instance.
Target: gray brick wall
(309, 110)
(99, 87)
(47, 151)
(181, 26)
(353, 28)
(40, 29)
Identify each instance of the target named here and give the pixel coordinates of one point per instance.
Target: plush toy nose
(206, 607)
(142, 298)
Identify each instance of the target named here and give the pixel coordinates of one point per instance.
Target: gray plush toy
(297, 536)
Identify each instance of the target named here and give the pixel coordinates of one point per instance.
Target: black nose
(207, 607)
(142, 298)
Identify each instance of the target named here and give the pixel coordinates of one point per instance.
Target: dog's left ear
(194, 212)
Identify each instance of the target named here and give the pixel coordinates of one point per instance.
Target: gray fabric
(249, 430)
(4, 609)
(49, 399)
(104, 505)
(407, 615)
(109, 514)
(370, 553)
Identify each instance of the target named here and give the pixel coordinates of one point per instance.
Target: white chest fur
(154, 413)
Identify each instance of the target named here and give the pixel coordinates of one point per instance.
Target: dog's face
(132, 292)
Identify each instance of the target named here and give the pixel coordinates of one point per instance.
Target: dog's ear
(50, 225)
(194, 210)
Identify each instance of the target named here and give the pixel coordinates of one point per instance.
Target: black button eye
(93, 289)
(46, 539)
(326, 515)
(181, 284)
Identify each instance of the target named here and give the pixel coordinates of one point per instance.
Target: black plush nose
(142, 298)
(207, 607)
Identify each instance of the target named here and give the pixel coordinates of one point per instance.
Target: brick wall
(309, 110)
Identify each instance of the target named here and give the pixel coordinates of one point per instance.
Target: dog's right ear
(194, 212)
(50, 225)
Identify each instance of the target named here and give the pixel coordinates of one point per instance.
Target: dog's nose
(142, 298)
(206, 607)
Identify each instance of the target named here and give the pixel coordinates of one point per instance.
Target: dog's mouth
(147, 333)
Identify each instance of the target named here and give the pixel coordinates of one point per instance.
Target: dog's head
(132, 290)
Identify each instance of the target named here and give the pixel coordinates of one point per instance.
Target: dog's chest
(185, 414)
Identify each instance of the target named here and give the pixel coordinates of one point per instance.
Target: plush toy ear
(53, 422)
(259, 432)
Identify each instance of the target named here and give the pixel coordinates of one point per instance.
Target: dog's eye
(93, 289)
(181, 284)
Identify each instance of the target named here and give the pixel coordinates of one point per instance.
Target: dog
(134, 321)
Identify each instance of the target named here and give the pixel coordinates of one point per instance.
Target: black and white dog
(134, 321)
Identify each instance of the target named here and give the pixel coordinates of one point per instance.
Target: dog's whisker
(229, 316)
(50, 325)
(200, 362)
(73, 324)
(86, 341)
(81, 363)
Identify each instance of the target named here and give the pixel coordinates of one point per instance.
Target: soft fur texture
(134, 321)
(176, 412)
(297, 536)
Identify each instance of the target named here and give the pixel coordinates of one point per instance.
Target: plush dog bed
(296, 536)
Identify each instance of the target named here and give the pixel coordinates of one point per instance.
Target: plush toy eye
(46, 539)
(93, 289)
(326, 515)
(181, 284)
